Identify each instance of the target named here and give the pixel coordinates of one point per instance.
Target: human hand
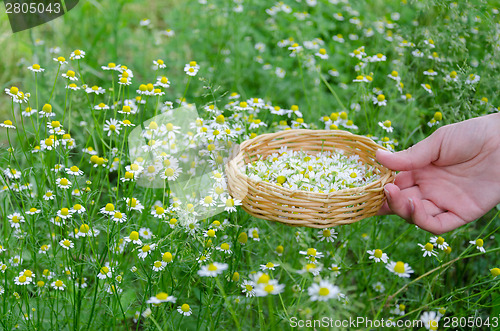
(448, 179)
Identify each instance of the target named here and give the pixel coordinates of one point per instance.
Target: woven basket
(302, 208)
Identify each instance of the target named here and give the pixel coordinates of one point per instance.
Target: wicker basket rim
(327, 195)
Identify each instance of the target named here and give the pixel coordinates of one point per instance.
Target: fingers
(404, 179)
(438, 224)
(398, 203)
(417, 156)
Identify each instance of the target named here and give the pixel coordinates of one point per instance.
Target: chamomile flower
(159, 64)
(322, 54)
(134, 238)
(386, 125)
(119, 217)
(21, 280)
(134, 204)
(213, 269)
(472, 79)
(451, 77)
(64, 213)
(400, 269)
(312, 268)
(428, 249)
(248, 287)
(185, 310)
(61, 60)
(70, 75)
(15, 220)
(439, 242)
(74, 170)
(105, 272)
(58, 285)
(7, 124)
(145, 250)
(378, 255)
(158, 212)
(163, 82)
(49, 195)
(253, 233)
(230, 204)
(145, 233)
(427, 87)
(111, 66)
(160, 298)
(171, 173)
(430, 319)
(379, 100)
(323, 291)
(329, 235)
(269, 266)
(271, 287)
(430, 72)
(112, 126)
(311, 254)
(109, 209)
(158, 266)
(77, 54)
(225, 248)
(36, 68)
(399, 309)
(95, 89)
(479, 244)
(191, 69)
(66, 244)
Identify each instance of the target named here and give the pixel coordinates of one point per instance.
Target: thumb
(417, 156)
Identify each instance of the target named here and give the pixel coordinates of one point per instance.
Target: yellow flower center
(84, 228)
(479, 242)
(134, 235)
(167, 257)
(269, 288)
(323, 291)
(399, 267)
(378, 253)
(311, 251)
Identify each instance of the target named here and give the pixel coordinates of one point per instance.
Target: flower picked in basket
(313, 178)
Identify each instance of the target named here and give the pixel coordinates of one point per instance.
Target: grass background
(109, 31)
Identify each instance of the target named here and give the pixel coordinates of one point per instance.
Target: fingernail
(412, 205)
(387, 194)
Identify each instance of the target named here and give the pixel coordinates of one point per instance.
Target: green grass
(223, 43)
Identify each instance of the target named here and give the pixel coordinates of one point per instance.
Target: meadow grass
(364, 71)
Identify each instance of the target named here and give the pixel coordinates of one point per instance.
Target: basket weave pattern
(302, 208)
